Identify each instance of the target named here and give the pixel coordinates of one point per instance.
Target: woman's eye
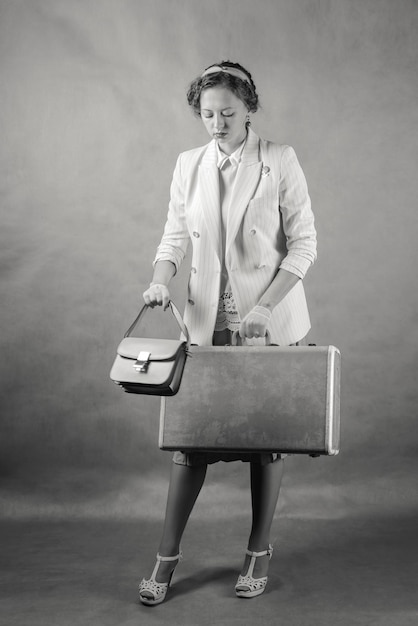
(228, 114)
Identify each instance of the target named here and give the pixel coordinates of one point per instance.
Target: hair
(241, 88)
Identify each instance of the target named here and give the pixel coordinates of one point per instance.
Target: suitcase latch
(142, 361)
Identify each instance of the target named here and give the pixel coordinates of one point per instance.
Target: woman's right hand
(157, 295)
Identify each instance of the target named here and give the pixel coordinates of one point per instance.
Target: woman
(243, 204)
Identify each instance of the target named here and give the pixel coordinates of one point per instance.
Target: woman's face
(224, 116)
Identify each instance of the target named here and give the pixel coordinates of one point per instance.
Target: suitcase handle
(174, 311)
(236, 340)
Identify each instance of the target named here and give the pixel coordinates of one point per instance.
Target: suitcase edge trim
(331, 435)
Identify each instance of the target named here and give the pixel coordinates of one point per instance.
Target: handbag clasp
(142, 361)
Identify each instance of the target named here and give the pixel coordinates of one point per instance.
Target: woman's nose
(218, 122)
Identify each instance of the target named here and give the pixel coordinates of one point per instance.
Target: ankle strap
(170, 558)
(269, 551)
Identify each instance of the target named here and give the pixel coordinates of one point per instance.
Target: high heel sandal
(157, 591)
(247, 586)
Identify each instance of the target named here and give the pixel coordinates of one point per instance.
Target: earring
(247, 120)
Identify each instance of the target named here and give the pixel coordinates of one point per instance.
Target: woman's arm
(280, 286)
(298, 226)
(256, 322)
(158, 294)
(173, 246)
(297, 217)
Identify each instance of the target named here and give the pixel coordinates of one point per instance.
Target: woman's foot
(154, 590)
(253, 578)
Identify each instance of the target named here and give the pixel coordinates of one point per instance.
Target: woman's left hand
(255, 323)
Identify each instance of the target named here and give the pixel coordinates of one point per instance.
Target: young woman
(243, 204)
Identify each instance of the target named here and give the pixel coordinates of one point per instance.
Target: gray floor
(351, 571)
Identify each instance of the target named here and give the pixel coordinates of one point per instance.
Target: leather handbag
(151, 366)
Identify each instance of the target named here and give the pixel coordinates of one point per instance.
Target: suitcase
(256, 399)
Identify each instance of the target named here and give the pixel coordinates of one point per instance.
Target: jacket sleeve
(175, 239)
(297, 216)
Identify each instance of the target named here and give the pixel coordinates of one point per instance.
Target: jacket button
(190, 301)
(193, 270)
(196, 234)
(253, 231)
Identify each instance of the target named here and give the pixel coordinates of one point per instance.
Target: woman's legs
(265, 488)
(185, 485)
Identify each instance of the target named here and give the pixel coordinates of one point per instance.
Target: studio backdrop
(93, 115)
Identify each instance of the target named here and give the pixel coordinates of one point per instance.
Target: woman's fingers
(252, 327)
(157, 295)
(255, 323)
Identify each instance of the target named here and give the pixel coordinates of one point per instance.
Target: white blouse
(227, 316)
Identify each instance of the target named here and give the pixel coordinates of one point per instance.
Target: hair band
(228, 70)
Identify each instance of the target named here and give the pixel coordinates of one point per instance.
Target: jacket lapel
(248, 177)
(209, 195)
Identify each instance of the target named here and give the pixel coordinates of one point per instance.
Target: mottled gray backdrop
(92, 117)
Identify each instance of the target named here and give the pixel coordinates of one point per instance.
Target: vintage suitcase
(255, 399)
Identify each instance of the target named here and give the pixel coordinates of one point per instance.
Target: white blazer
(270, 226)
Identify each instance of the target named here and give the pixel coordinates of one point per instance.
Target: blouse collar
(235, 157)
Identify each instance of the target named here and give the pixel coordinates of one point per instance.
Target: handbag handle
(174, 311)
(236, 340)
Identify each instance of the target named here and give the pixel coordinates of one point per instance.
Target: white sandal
(247, 586)
(157, 590)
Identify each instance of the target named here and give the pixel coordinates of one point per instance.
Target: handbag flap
(160, 349)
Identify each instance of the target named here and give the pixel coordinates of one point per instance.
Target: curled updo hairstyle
(241, 88)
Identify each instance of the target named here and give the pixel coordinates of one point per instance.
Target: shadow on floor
(341, 572)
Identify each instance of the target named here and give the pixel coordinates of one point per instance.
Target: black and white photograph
(209, 312)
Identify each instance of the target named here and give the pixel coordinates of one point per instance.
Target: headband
(228, 70)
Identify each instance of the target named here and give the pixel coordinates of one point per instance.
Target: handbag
(151, 366)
